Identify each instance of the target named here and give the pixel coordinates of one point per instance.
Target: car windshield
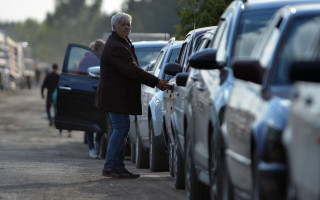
(147, 54)
(252, 25)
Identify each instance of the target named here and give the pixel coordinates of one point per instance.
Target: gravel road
(35, 163)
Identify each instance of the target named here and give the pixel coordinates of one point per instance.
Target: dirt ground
(35, 163)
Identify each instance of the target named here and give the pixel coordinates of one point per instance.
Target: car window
(299, 44)
(251, 27)
(147, 54)
(186, 50)
(197, 43)
(172, 59)
(80, 59)
(220, 41)
(157, 64)
(174, 55)
(204, 43)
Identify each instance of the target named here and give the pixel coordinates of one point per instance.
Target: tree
(153, 16)
(200, 13)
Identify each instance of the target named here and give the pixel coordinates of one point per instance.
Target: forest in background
(74, 21)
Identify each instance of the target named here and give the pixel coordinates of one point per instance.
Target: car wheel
(179, 172)
(171, 157)
(227, 188)
(133, 152)
(215, 169)
(158, 161)
(194, 188)
(85, 138)
(256, 178)
(127, 146)
(142, 155)
(104, 145)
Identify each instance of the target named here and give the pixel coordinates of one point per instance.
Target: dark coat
(119, 88)
(50, 82)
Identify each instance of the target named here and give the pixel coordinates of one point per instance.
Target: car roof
(265, 4)
(302, 9)
(199, 31)
(143, 44)
(177, 44)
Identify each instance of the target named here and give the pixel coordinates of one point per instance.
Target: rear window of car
(147, 54)
(251, 27)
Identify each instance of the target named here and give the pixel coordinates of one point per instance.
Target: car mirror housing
(305, 71)
(172, 69)
(181, 79)
(94, 72)
(204, 59)
(248, 70)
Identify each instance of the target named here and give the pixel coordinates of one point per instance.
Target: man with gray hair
(119, 91)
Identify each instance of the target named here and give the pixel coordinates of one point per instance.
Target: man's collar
(127, 40)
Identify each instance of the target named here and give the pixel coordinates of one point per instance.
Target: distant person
(119, 91)
(50, 83)
(93, 139)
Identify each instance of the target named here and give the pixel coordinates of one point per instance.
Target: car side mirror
(181, 79)
(248, 70)
(204, 59)
(305, 71)
(172, 69)
(94, 72)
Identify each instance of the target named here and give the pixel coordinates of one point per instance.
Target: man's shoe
(129, 174)
(112, 173)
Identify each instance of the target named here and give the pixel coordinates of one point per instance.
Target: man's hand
(163, 85)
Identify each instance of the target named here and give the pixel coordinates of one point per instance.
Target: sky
(20, 10)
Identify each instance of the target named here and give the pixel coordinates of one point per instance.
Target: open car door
(76, 92)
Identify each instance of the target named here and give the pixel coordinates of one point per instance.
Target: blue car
(151, 141)
(257, 110)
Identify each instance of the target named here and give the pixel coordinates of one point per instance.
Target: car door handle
(194, 78)
(65, 88)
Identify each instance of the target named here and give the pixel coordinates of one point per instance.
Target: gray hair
(97, 45)
(115, 18)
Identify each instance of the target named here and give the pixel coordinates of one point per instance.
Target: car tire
(127, 146)
(194, 188)
(133, 152)
(179, 171)
(142, 155)
(104, 145)
(227, 188)
(85, 138)
(215, 167)
(158, 160)
(171, 157)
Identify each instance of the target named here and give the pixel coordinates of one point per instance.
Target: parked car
(257, 109)
(239, 30)
(76, 91)
(173, 123)
(151, 141)
(301, 136)
(147, 52)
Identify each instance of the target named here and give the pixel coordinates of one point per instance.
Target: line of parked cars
(236, 125)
